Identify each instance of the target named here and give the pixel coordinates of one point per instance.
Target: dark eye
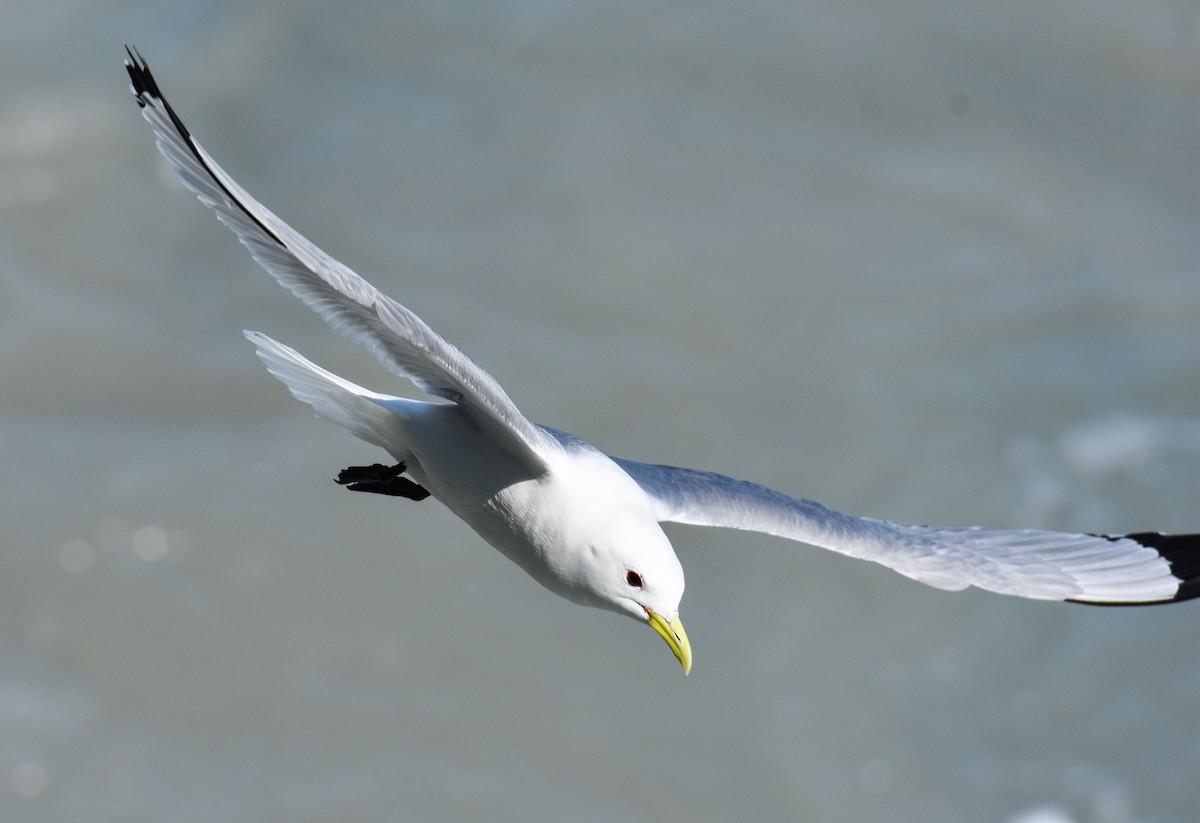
(633, 579)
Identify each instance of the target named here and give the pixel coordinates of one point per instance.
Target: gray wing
(399, 339)
(1109, 570)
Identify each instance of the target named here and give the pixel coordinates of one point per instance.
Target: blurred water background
(930, 261)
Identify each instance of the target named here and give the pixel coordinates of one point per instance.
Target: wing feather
(1109, 570)
(400, 340)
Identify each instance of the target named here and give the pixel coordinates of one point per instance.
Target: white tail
(333, 398)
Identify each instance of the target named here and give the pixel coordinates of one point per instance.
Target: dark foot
(375, 473)
(381, 479)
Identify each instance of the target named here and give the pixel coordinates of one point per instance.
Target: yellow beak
(675, 636)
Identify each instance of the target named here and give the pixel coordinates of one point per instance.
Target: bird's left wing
(1108, 570)
(400, 340)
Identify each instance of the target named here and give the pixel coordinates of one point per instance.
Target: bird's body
(546, 518)
(584, 524)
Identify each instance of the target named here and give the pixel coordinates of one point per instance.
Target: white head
(623, 562)
(589, 533)
(635, 572)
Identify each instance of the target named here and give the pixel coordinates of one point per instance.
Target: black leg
(375, 473)
(381, 479)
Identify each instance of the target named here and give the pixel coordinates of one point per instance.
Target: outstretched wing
(399, 339)
(1108, 570)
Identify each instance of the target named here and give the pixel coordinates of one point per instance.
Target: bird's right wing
(400, 340)
(1107, 570)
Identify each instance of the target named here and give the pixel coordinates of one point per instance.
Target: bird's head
(599, 543)
(635, 572)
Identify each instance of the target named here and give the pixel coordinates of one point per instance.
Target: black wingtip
(141, 81)
(145, 88)
(1182, 553)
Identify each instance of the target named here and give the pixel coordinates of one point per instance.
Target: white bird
(583, 524)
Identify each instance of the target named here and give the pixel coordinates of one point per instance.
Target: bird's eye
(633, 579)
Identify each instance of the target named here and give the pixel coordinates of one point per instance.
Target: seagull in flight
(584, 524)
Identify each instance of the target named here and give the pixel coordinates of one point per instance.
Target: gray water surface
(936, 262)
